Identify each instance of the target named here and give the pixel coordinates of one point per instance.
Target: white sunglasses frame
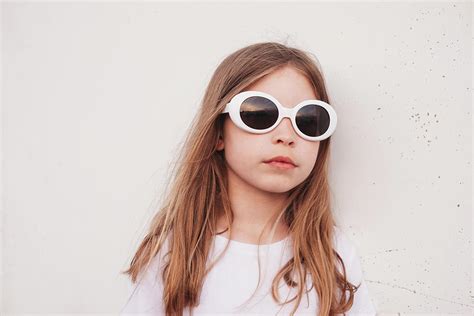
(233, 108)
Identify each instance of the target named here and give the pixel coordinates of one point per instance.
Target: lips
(284, 159)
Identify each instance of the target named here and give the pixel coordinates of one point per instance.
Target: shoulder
(344, 246)
(146, 294)
(347, 250)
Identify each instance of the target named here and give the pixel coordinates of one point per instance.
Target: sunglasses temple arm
(227, 108)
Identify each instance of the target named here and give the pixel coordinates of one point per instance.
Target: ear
(220, 144)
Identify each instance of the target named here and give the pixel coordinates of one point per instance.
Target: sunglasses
(258, 112)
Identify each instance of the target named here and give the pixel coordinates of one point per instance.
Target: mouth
(280, 165)
(281, 161)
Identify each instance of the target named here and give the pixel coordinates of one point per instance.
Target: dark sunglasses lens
(312, 120)
(258, 112)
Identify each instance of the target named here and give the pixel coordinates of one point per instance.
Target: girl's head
(245, 153)
(215, 147)
(289, 75)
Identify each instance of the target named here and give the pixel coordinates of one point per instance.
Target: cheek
(310, 153)
(241, 147)
(242, 150)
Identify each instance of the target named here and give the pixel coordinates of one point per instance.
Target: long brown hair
(198, 196)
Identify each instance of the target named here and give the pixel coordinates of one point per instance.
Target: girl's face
(245, 152)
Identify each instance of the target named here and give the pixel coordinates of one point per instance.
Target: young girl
(247, 227)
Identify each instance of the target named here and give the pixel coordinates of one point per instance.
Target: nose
(284, 132)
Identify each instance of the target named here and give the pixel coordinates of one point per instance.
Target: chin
(278, 189)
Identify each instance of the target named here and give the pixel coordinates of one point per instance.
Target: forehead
(288, 85)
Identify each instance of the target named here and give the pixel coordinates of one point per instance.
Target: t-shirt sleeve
(362, 304)
(146, 294)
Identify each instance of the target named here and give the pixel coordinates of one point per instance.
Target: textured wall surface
(97, 97)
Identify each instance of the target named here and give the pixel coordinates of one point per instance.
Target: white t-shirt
(234, 278)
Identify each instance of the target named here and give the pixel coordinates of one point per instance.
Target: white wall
(96, 97)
